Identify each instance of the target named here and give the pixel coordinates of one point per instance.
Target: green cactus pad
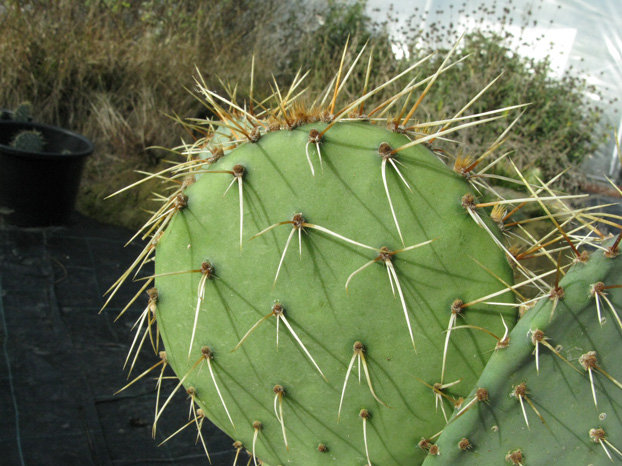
(27, 140)
(573, 403)
(346, 223)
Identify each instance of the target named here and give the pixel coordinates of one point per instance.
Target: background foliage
(115, 70)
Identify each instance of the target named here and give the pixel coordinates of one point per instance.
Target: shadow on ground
(62, 361)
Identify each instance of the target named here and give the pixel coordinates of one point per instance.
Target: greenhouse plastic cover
(582, 37)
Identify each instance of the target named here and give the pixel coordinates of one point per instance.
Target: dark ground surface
(61, 361)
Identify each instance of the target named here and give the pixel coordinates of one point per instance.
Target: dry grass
(111, 71)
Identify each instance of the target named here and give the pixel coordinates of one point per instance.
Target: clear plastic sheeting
(581, 37)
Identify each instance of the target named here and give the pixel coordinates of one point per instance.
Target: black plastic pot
(40, 188)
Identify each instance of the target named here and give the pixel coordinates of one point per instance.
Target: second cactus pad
(554, 395)
(306, 285)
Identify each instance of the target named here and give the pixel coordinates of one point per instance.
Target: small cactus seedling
(29, 141)
(348, 251)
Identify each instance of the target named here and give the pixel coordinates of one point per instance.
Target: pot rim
(27, 125)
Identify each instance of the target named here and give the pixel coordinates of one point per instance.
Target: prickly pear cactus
(553, 395)
(30, 141)
(328, 289)
(299, 278)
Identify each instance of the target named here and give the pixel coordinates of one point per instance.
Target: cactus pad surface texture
(330, 289)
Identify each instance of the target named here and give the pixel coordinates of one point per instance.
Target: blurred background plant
(115, 70)
(558, 130)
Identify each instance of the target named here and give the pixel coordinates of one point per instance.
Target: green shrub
(559, 128)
